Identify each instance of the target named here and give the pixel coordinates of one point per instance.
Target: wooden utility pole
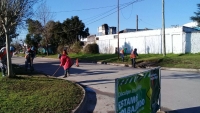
(118, 31)
(136, 22)
(163, 27)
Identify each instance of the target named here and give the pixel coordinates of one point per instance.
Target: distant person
(122, 53)
(3, 59)
(66, 63)
(29, 56)
(133, 56)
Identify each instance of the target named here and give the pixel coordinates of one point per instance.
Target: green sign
(134, 93)
(155, 86)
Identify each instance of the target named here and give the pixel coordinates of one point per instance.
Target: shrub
(91, 48)
(60, 49)
(76, 47)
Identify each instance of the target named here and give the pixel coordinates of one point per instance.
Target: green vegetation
(37, 94)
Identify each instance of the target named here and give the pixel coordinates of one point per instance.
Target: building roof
(191, 24)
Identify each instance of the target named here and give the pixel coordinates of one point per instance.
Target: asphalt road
(180, 92)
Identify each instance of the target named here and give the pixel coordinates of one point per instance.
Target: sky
(94, 13)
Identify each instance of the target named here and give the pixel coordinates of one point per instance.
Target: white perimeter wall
(192, 42)
(145, 41)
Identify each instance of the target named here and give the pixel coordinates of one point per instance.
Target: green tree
(34, 26)
(74, 29)
(12, 14)
(34, 32)
(44, 15)
(57, 34)
(196, 18)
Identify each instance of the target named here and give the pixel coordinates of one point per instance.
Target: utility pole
(118, 31)
(163, 27)
(136, 22)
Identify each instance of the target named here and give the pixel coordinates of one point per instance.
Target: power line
(93, 8)
(111, 13)
(115, 11)
(93, 17)
(130, 13)
(82, 9)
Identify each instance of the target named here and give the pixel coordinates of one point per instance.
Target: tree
(49, 31)
(74, 28)
(34, 32)
(34, 26)
(44, 15)
(196, 18)
(57, 34)
(12, 13)
(12, 34)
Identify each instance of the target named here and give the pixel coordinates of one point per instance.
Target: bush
(91, 49)
(60, 49)
(76, 47)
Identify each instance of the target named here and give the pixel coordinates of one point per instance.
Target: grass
(170, 60)
(37, 94)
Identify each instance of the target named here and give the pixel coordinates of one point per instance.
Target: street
(179, 90)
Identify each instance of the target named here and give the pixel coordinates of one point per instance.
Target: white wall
(178, 40)
(149, 41)
(192, 42)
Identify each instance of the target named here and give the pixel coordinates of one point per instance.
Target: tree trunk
(47, 48)
(9, 62)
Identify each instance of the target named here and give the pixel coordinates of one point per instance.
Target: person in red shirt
(66, 63)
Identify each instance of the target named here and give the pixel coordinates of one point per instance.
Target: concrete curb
(162, 68)
(83, 102)
(181, 69)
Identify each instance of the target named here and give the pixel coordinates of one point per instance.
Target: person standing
(29, 56)
(66, 63)
(122, 53)
(3, 59)
(133, 56)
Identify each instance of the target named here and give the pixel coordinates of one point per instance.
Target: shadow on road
(50, 69)
(186, 110)
(96, 82)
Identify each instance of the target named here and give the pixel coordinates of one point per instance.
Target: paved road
(180, 90)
